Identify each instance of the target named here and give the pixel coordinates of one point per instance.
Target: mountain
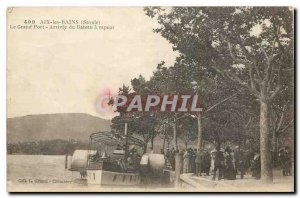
(54, 126)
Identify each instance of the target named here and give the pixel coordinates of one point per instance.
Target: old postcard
(150, 99)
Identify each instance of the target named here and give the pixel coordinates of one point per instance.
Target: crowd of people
(285, 161)
(224, 163)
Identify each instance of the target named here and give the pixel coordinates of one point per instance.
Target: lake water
(38, 171)
(48, 173)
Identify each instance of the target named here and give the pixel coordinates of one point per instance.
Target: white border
(37, 3)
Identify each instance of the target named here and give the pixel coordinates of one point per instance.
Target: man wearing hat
(218, 164)
(198, 162)
(207, 162)
(239, 157)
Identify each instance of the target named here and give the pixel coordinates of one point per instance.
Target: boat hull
(102, 177)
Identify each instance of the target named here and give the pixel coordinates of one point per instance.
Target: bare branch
(268, 70)
(252, 80)
(274, 94)
(285, 128)
(235, 59)
(276, 32)
(180, 117)
(275, 56)
(270, 80)
(240, 61)
(236, 79)
(273, 47)
(258, 73)
(251, 58)
(217, 104)
(280, 121)
(250, 119)
(271, 57)
(265, 54)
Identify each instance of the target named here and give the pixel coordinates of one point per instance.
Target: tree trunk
(178, 168)
(126, 142)
(274, 143)
(273, 127)
(199, 143)
(175, 136)
(265, 152)
(164, 143)
(152, 141)
(165, 136)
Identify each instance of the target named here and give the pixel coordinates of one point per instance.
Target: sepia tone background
(55, 76)
(56, 71)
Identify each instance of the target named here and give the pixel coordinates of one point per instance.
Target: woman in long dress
(229, 172)
(256, 169)
(186, 162)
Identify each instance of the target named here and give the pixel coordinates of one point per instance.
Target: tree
(251, 46)
(187, 128)
(282, 115)
(171, 80)
(166, 134)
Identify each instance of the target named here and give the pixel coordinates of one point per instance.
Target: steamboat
(113, 159)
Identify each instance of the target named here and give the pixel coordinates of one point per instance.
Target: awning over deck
(110, 138)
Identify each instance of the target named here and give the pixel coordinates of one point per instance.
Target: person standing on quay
(229, 172)
(218, 164)
(207, 162)
(186, 162)
(193, 163)
(240, 161)
(198, 163)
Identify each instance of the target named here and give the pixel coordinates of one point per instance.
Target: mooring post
(66, 161)
(126, 141)
(178, 168)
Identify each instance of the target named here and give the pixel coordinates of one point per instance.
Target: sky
(56, 71)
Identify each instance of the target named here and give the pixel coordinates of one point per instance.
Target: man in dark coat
(207, 162)
(202, 163)
(229, 172)
(287, 162)
(172, 158)
(281, 158)
(219, 164)
(193, 158)
(256, 169)
(198, 163)
(240, 159)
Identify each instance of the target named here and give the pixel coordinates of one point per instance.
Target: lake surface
(48, 173)
(38, 171)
